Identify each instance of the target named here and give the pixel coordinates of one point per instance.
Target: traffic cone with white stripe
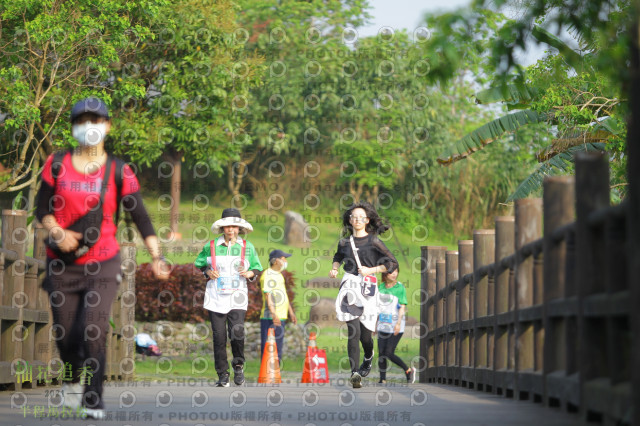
(270, 367)
(315, 363)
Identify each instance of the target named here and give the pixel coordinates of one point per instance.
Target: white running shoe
(411, 375)
(95, 413)
(72, 395)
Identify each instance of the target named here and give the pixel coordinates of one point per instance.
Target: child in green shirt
(391, 320)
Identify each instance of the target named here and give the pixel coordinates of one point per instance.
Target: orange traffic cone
(315, 363)
(270, 367)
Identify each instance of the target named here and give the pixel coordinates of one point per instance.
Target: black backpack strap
(56, 165)
(118, 179)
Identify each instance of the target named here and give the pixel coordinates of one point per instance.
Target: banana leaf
(554, 166)
(512, 94)
(573, 58)
(562, 144)
(488, 133)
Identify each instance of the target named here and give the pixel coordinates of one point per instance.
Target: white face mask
(88, 133)
(284, 265)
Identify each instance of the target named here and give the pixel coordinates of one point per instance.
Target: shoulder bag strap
(355, 252)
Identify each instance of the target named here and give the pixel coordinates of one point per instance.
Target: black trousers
(231, 323)
(387, 343)
(80, 297)
(358, 333)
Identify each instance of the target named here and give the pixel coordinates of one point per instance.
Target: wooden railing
(26, 337)
(532, 316)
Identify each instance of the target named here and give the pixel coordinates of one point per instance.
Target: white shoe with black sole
(95, 413)
(411, 375)
(72, 395)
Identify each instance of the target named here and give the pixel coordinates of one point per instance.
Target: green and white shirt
(230, 290)
(390, 301)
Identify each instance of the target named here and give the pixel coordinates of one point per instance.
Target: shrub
(180, 298)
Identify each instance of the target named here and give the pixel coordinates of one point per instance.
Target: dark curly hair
(375, 226)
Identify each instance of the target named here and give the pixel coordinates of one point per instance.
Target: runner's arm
(387, 259)
(401, 311)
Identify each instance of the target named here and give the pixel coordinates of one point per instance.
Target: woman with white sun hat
(228, 261)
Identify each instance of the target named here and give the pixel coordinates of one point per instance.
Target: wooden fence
(26, 336)
(539, 307)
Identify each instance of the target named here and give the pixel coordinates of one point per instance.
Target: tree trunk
(235, 175)
(33, 188)
(176, 162)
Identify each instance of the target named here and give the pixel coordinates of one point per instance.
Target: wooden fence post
(13, 334)
(559, 210)
(592, 193)
(528, 228)
(465, 329)
(429, 256)
(505, 246)
(441, 279)
(451, 316)
(483, 252)
(633, 211)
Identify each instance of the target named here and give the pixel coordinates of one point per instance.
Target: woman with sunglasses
(363, 255)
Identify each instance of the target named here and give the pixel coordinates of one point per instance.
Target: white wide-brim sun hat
(230, 217)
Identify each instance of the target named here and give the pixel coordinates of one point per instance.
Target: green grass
(328, 338)
(305, 263)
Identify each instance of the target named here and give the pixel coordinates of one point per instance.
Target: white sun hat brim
(230, 221)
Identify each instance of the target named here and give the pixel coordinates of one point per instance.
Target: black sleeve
(43, 200)
(204, 270)
(339, 255)
(387, 258)
(133, 203)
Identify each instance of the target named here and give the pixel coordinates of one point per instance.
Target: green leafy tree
(294, 111)
(51, 54)
(196, 77)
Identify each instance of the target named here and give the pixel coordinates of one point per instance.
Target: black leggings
(358, 333)
(81, 307)
(387, 343)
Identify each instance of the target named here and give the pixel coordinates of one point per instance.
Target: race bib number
(227, 285)
(386, 318)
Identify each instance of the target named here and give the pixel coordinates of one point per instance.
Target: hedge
(180, 298)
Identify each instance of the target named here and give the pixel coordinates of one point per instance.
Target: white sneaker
(72, 395)
(411, 375)
(95, 413)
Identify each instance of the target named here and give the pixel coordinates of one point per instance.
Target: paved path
(195, 402)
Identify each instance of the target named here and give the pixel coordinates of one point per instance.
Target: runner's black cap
(92, 105)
